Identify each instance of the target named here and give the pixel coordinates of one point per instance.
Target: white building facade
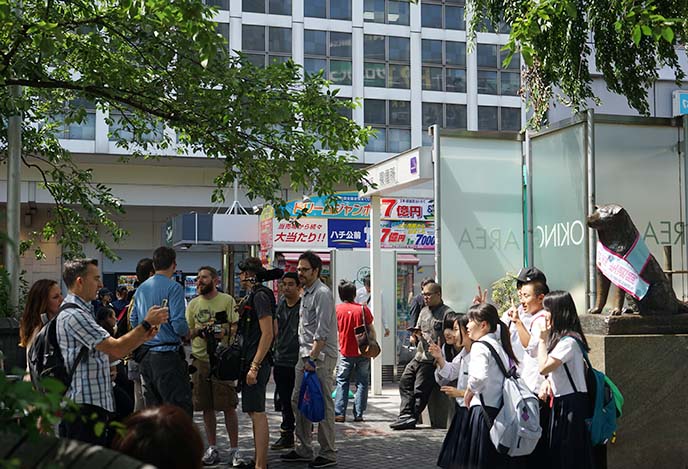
(408, 64)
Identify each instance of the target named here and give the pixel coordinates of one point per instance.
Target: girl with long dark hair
(42, 304)
(485, 383)
(453, 379)
(560, 355)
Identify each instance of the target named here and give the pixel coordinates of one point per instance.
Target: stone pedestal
(651, 371)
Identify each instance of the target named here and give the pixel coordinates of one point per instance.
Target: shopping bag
(311, 400)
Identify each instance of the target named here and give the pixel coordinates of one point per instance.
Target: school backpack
(605, 398)
(45, 356)
(516, 429)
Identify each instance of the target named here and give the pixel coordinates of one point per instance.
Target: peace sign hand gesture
(481, 297)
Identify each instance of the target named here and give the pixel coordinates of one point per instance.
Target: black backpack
(45, 356)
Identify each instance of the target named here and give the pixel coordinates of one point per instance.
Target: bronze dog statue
(616, 232)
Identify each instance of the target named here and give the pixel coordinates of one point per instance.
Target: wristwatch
(146, 325)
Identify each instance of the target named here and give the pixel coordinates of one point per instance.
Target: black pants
(166, 380)
(284, 386)
(415, 386)
(83, 426)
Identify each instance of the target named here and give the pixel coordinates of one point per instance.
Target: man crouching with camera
(212, 319)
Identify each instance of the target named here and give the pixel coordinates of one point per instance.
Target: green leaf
(668, 34)
(636, 34)
(99, 428)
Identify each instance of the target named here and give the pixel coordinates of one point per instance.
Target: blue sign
(682, 100)
(342, 233)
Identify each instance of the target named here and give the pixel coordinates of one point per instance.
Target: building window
(447, 116)
(223, 30)
(387, 61)
(329, 51)
(447, 14)
(444, 65)
(84, 130)
(121, 128)
(273, 7)
(392, 121)
(499, 118)
(485, 25)
(386, 11)
(333, 9)
(493, 78)
(264, 45)
(219, 4)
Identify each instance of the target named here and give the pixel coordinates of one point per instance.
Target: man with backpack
(212, 319)
(256, 312)
(86, 349)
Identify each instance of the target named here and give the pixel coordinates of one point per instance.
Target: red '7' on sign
(387, 206)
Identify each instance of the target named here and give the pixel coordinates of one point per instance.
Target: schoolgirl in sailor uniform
(454, 448)
(560, 356)
(485, 383)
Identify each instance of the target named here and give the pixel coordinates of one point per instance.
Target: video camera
(267, 275)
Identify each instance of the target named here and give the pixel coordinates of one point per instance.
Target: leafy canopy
(153, 64)
(627, 40)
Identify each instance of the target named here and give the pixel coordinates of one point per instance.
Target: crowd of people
(540, 336)
(129, 363)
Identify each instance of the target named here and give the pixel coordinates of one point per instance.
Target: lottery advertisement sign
(409, 235)
(310, 233)
(353, 207)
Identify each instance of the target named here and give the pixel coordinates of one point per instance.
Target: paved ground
(370, 444)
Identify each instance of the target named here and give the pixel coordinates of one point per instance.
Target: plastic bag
(311, 400)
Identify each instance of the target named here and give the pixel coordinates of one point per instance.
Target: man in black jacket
(418, 380)
(255, 326)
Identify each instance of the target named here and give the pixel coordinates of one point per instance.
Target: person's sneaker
(244, 462)
(211, 456)
(340, 418)
(285, 441)
(322, 462)
(293, 456)
(358, 419)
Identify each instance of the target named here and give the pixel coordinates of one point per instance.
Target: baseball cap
(530, 274)
(104, 291)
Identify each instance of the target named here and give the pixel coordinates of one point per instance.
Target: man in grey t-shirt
(418, 380)
(318, 351)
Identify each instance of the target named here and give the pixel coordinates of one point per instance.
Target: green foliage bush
(504, 292)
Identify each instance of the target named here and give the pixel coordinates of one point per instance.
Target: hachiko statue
(622, 256)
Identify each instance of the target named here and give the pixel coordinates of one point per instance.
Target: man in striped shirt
(91, 386)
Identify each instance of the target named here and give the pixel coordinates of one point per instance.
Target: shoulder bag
(367, 345)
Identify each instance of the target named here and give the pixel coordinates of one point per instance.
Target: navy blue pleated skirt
(454, 450)
(481, 452)
(569, 445)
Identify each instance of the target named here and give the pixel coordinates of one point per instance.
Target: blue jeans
(347, 365)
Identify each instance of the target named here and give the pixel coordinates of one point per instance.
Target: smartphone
(164, 303)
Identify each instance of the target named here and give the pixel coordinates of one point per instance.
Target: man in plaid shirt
(91, 386)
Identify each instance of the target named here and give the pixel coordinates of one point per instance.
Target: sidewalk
(370, 444)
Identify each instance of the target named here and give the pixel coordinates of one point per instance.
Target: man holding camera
(212, 319)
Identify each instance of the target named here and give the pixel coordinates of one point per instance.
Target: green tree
(628, 39)
(154, 63)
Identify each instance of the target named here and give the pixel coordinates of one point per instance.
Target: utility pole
(14, 147)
